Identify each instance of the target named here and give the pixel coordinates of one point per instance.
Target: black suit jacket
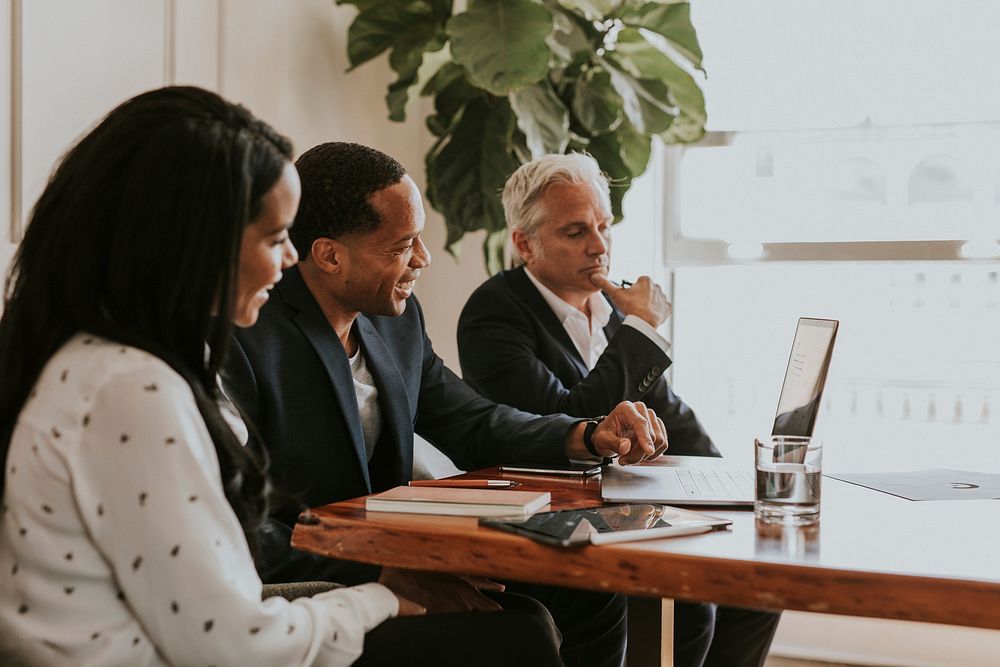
(292, 378)
(515, 350)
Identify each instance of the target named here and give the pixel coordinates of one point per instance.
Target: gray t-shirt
(367, 394)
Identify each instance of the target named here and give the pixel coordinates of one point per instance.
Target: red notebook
(458, 502)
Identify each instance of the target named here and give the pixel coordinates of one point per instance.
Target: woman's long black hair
(136, 238)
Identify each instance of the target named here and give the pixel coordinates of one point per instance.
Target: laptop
(706, 481)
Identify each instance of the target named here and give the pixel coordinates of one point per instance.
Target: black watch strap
(588, 435)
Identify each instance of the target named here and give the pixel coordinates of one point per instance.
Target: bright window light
(808, 64)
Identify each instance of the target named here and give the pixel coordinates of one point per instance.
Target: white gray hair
(522, 194)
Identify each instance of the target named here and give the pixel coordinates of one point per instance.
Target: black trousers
(523, 635)
(709, 635)
(594, 629)
(593, 625)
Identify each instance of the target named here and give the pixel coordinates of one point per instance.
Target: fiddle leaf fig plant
(514, 79)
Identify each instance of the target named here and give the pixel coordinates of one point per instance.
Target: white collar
(600, 309)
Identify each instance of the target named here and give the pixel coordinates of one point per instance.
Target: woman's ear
(328, 254)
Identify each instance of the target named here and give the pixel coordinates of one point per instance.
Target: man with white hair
(556, 335)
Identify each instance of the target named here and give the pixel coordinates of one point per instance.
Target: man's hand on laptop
(631, 431)
(643, 298)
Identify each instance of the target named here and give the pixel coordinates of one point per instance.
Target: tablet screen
(567, 527)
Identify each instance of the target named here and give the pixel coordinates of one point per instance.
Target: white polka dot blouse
(117, 544)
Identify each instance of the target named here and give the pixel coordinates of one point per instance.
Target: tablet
(569, 469)
(612, 523)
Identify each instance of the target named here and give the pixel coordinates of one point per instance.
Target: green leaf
(592, 10)
(405, 89)
(673, 21)
(644, 60)
(453, 92)
(409, 47)
(493, 250)
(684, 130)
(382, 25)
(443, 78)
(606, 149)
(542, 117)
(501, 43)
(634, 148)
(623, 156)
(645, 101)
(569, 40)
(467, 173)
(596, 105)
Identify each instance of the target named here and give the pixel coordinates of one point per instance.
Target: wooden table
(871, 555)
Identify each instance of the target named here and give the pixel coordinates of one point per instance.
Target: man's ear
(522, 243)
(328, 254)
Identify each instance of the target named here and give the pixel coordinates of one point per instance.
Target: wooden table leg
(650, 632)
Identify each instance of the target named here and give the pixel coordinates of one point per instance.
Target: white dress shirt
(586, 333)
(117, 543)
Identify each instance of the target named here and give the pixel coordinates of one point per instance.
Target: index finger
(640, 427)
(600, 280)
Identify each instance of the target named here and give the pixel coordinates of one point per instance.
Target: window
(915, 377)
(901, 183)
(851, 170)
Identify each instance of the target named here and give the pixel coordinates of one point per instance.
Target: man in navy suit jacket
(544, 337)
(514, 349)
(338, 374)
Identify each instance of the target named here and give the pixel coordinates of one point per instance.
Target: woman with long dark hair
(130, 504)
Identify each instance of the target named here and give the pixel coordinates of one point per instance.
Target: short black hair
(338, 180)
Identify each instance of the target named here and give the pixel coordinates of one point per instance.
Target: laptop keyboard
(716, 483)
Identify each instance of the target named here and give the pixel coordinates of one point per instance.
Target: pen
(681, 530)
(467, 483)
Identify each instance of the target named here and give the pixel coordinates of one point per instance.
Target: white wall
(64, 64)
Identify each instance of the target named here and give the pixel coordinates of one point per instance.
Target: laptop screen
(808, 363)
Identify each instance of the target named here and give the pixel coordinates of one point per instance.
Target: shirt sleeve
(147, 484)
(644, 327)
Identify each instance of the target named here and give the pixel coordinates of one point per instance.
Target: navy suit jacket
(515, 350)
(291, 376)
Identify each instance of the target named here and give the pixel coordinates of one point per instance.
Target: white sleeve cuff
(379, 603)
(643, 327)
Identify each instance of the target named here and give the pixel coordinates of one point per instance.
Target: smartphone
(569, 469)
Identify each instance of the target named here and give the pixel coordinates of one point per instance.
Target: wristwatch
(588, 434)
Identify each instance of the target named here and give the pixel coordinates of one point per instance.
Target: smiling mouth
(264, 294)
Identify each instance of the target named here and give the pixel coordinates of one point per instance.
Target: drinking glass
(789, 470)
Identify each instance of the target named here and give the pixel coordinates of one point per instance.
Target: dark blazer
(515, 350)
(290, 375)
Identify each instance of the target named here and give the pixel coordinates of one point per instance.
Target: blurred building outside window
(851, 170)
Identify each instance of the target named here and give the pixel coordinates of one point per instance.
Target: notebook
(704, 481)
(458, 502)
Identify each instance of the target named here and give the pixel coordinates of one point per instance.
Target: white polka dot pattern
(120, 546)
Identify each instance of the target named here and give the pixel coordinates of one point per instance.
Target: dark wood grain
(871, 555)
